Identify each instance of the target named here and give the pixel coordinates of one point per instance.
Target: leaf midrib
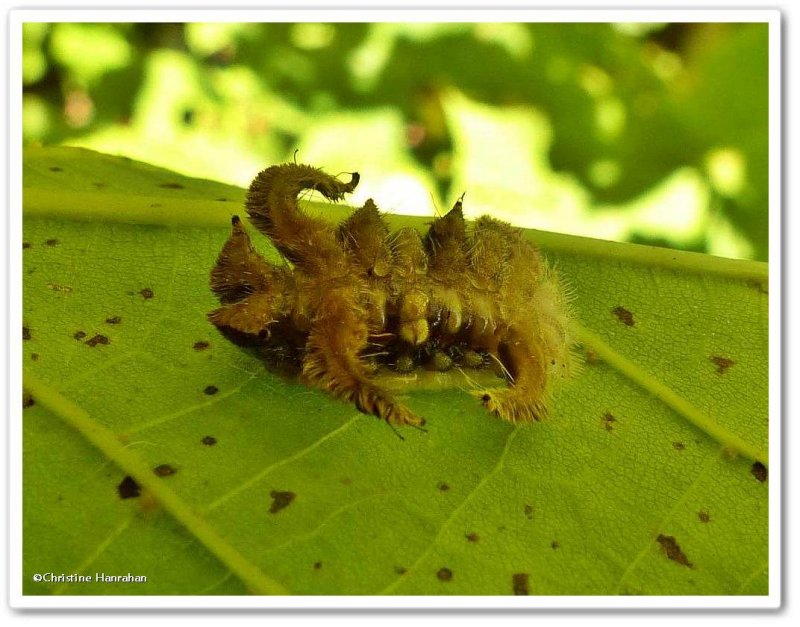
(199, 212)
(668, 396)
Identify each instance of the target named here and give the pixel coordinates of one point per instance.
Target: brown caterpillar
(457, 293)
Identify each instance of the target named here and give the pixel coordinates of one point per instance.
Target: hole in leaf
(624, 316)
(722, 363)
(519, 583)
(444, 574)
(128, 488)
(164, 470)
(673, 550)
(759, 471)
(280, 500)
(97, 339)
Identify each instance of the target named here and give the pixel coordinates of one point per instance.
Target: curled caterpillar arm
(272, 206)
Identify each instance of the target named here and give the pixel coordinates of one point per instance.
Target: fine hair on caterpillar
(358, 297)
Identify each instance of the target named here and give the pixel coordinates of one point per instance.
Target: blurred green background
(651, 133)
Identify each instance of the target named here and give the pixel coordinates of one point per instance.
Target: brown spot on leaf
(35, 356)
(759, 286)
(209, 440)
(673, 550)
(317, 565)
(703, 516)
(759, 471)
(148, 503)
(147, 293)
(55, 168)
(443, 487)
(200, 345)
(222, 199)
(155, 205)
(99, 185)
(211, 390)
(171, 185)
(27, 400)
(26, 333)
(400, 570)
(624, 316)
(79, 335)
(608, 421)
(722, 363)
(26, 245)
(113, 320)
(280, 500)
(679, 446)
(519, 583)
(444, 574)
(591, 358)
(52, 242)
(555, 544)
(164, 470)
(98, 339)
(528, 509)
(128, 488)
(472, 537)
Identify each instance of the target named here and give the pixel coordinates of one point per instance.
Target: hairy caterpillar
(465, 293)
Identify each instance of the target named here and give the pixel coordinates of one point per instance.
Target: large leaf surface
(642, 482)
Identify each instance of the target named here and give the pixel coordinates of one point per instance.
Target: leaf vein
(286, 460)
(101, 548)
(497, 468)
(668, 396)
(709, 464)
(105, 441)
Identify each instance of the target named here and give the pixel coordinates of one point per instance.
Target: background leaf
(618, 493)
(622, 112)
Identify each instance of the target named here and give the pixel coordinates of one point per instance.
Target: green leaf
(650, 477)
